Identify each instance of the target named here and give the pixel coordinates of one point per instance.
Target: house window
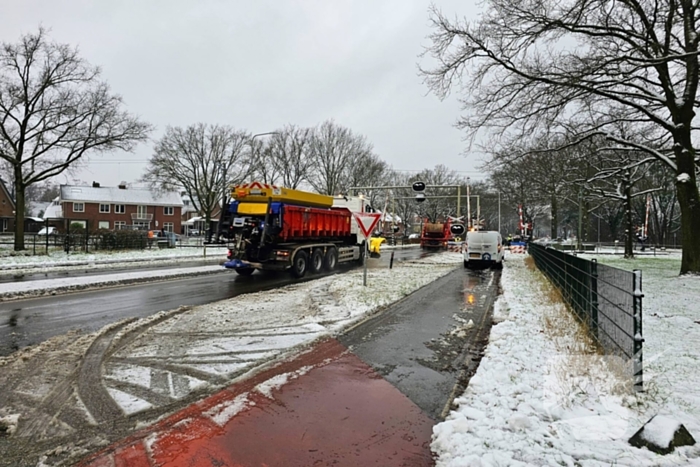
(168, 226)
(141, 211)
(104, 208)
(103, 224)
(120, 225)
(168, 210)
(78, 207)
(119, 209)
(141, 225)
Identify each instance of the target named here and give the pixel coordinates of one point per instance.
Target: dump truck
(435, 235)
(276, 228)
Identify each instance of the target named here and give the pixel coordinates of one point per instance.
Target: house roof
(3, 187)
(115, 195)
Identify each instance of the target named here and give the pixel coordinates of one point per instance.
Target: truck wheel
(466, 264)
(316, 261)
(245, 271)
(331, 259)
(301, 259)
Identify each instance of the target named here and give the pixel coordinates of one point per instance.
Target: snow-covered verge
(14, 263)
(19, 290)
(541, 397)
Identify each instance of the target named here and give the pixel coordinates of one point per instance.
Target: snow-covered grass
(61, 258)
(60, 261)
(542, 397)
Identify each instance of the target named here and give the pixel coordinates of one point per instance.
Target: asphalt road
(32, 321)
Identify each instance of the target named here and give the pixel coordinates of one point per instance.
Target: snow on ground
(11, 290)
(226, 339)
(534, 401)
(14, 264)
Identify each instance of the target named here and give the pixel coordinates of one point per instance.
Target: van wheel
(331, 259)
(466, 264)
(245, 271)
(316, 261)
(299, 264)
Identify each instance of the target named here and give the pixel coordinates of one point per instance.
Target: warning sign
(367, 221)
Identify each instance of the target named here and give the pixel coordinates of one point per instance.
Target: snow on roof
(142, 196)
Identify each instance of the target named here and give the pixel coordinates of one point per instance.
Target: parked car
(48, 231)
(194, 233)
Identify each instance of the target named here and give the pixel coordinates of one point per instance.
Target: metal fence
(607, 300)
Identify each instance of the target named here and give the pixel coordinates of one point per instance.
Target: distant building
(119, 207)
(7, 209)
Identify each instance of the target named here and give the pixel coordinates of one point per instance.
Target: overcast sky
(259, 65)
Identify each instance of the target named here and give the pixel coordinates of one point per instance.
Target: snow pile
(539, 397)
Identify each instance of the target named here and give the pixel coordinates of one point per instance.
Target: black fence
(77, 235)
(607, 300)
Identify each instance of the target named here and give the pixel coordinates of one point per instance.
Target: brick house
(7, 209)
(120, 207)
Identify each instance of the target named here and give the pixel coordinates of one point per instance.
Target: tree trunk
(553, 232)
(629, 228)
(19, 211)
(689, 202)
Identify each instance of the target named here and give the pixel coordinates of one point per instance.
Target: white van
(483, 249)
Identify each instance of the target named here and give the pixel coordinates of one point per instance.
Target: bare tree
(333, 150)
(529, 63)
(54, 109)
(262, 163)
(288, 155)
(202, 160)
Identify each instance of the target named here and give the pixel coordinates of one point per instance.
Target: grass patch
(581, 366)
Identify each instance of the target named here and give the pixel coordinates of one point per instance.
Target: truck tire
(245, 271)
(466, 264)
(331, 259)
(300, 263)
(316, 263)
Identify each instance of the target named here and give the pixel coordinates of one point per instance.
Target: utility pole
(499, 211)
(579, 244)
(459, 198)
(469, 208)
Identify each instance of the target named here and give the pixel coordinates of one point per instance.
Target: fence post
(638, 336)
(593, 291)
(46, 226)
(87, 235)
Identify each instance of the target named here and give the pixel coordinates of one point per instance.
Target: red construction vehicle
(435, 235)
(276, 228)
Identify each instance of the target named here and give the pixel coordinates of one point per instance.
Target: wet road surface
(421, 345)
(32, 321)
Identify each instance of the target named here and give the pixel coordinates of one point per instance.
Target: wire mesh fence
(607, 300)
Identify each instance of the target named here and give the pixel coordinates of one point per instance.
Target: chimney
(95, 185)
(122, 186)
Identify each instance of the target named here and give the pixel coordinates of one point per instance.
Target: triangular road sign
(367, 221)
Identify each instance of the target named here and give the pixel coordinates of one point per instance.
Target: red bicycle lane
(333, 409)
